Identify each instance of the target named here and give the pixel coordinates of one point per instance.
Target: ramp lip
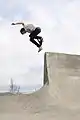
(46, 79)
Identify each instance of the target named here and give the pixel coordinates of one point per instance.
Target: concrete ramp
(59, 99)
(64, 79)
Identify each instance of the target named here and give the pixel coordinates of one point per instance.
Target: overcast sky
(60, 23)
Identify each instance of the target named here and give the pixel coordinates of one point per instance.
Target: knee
(39, 29)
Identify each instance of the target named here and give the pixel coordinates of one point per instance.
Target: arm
(18, 23)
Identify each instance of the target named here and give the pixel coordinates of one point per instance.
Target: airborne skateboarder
(34, 31)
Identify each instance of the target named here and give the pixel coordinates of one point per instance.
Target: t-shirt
(29, 28)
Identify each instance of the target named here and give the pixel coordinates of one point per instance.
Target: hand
(13, 24)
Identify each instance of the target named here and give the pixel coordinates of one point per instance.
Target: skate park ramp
(58, 99)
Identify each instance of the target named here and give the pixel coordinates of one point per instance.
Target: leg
(40, 39)
(35, 33)
(34, 42)
(33, 36)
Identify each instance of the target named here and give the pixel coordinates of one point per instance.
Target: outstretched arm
(18, 23)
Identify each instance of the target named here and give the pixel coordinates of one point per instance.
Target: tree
(13, 87)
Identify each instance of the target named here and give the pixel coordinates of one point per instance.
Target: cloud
(17, 54)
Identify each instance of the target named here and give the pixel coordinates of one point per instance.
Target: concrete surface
(59, 99)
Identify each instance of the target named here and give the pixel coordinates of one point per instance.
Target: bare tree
(14, 88)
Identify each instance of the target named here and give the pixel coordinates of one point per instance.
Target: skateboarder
(34, 31)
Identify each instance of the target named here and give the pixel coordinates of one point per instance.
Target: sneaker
(40, 48)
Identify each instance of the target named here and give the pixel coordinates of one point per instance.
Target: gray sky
(60, 23)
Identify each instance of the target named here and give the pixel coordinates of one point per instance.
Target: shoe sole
(39, 50)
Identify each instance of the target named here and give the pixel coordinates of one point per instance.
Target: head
(22, 31)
